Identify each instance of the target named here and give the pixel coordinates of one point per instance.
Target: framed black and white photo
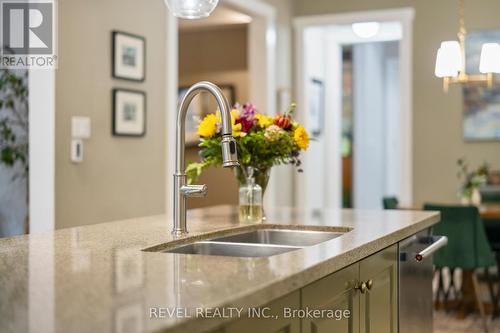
(129, 56)
(316, 106)
(129, 112)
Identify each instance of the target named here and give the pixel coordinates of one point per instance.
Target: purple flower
(247, 116)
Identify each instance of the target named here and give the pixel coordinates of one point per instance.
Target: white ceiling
(220, 16)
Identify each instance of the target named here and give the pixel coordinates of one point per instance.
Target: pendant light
(451, 60)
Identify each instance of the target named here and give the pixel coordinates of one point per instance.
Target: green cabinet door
(379, 301)
(334, 292)
(277, 324)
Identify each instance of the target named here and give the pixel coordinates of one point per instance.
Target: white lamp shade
(366, 29)
(191, 9)
(448, 59)
(490, 58)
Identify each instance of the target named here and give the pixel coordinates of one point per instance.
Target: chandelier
(450, 59)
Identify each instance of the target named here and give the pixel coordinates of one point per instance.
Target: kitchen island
(98, 278)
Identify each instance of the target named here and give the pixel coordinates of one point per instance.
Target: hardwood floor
(448, 322)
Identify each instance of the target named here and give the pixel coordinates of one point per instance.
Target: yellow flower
(236, 127)
(237, 130)
(263, 120)
(208, 126)
(301, 137)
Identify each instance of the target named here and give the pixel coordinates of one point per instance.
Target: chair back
(390, 202)
(468, 247)
(490, 194)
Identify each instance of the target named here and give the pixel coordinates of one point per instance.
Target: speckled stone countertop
(97, 279)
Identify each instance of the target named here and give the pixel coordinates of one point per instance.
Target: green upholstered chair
(390, 202)
(468, 247)
(490, 194)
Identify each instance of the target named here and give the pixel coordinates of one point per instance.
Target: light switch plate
(80, 127)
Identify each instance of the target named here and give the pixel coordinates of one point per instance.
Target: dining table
(490, 211)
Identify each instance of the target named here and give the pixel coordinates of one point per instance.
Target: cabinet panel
(378, 305)
(270, 325)
(334, 292)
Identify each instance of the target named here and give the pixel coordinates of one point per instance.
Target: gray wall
(437, 119)
(119, 177)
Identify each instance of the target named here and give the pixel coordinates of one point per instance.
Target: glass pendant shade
(191, 9)
(490, 58)
(448, 59)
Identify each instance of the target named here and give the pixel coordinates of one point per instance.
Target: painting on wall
(129, 112)
(481, 104)
(129, 56)
(202, 105)
(316, 106)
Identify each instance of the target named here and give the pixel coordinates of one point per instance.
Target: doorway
(363, 145)
(260, 28)
(214, 49)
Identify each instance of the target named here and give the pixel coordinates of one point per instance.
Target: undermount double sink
(256, 243)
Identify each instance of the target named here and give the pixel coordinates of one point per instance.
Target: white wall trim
(171, 83)
(403, 15)
(42, 133)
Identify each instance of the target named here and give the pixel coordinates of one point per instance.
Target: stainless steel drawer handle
(438, 242)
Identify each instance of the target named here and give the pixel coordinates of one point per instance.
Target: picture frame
(129, 113)
(128, 56)
(481, 114)
(202, 105)
(316, 106)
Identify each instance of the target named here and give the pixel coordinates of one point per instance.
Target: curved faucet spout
(228, 146)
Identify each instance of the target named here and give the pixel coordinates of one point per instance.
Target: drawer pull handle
(437, 243)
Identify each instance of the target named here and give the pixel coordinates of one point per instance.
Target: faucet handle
(194, 190)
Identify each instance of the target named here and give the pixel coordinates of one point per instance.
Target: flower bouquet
(262, 142)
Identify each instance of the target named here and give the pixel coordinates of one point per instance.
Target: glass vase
(261, 177)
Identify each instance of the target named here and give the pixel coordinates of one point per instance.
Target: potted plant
(14, 125)
(471, 181)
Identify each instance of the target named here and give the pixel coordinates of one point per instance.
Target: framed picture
(316, 106)
(129, 112)
(202, 105)
(481, 120)
(129, 56)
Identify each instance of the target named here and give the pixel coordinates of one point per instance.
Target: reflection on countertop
(97, 279)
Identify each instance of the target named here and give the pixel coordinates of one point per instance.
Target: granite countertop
(97, 279)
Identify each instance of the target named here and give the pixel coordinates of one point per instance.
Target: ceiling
(221, 16)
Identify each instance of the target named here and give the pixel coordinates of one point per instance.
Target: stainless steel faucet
(228, 145)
